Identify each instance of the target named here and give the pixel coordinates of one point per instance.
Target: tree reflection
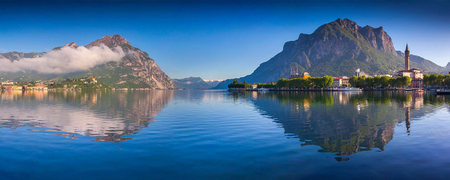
(338, 122)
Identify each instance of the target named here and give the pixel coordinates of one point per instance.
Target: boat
(443, 92)
(408, 89)
(348, 89)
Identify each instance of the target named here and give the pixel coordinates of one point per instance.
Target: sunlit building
(343, 81)
(302, 75)
(415, 74)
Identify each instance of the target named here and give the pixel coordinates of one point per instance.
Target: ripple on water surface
(219, 134)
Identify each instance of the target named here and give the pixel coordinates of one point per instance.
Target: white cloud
(64, 60)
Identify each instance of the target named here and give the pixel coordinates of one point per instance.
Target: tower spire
(406, 57)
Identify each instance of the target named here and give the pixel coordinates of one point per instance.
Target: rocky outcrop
(336, 49)
(136, 69)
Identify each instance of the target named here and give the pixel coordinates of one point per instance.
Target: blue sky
(217, 39)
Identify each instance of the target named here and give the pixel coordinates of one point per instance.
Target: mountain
(213, 83)
(446, 69)
(195, 83)
(425, 65)
(134, 69)
(336, 49)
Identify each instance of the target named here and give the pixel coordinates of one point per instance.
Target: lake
(224, 135)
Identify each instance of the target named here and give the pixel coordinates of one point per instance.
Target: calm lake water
(223, 135)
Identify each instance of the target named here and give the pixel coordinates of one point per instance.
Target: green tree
(393, 82)
(447, 80)
(440, 80)
(328, 81)
(403, 81)
(236, 84)
(377, 81)
(433, 79)
(426, 80)
(316, 82)
(370, 82)
(353, 81)
(282, 83)
(385, 81)
(362, 81)
(247, 85)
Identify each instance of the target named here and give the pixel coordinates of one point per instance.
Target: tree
(426, 80)
(370, 82)
(385, 81)
(362, 81)
(407, 82)
(328, 81)
(247, 85)
(282, 83)
(403, 81)
(316, 82)
(237, 84)
(433, 79)
(353, 81)
(377, 81)
(447, 80)
(440, 80)
(393, 82)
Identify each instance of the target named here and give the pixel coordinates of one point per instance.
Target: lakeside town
(407, 79)
(68, 84)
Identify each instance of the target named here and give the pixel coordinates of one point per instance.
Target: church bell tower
(407, 58)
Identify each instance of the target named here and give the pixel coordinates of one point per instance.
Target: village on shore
(67, 84)
(408, 79)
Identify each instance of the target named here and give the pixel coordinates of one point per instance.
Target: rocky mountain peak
(136, 69)
(110, 41)
(347, 23)
(119, 38)
(72, 44)
(336, 48)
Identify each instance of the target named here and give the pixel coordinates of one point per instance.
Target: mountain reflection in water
(341, 122)
(109, 116)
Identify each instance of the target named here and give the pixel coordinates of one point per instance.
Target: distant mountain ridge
(426, 65)
(135, 70)
(446, 69)
(336, 49)
(195, 83)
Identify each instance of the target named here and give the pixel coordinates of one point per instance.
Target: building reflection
(415, 101)
(110, 116)
(341, 123)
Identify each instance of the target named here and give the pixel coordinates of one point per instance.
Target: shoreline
(327, 89)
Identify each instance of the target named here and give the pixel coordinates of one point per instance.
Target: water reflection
(342, 123)
(108, 115)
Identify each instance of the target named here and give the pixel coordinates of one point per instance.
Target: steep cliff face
(136, 69)
(337, 48)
